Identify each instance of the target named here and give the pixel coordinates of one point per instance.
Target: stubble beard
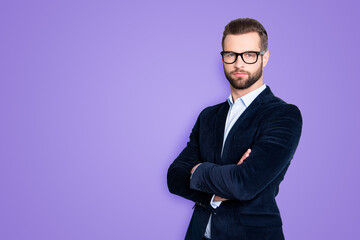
(244, 82)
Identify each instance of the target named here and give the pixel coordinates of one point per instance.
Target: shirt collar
(247, 98)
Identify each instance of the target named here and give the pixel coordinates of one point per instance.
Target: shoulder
(277, 108)
(212, 110)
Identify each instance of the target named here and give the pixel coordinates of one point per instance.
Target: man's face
(239, 74)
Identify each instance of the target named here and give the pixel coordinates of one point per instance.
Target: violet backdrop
(97, 98)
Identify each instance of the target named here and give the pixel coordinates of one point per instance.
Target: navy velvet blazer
(272, 129)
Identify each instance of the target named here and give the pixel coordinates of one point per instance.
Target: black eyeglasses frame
(241, 55)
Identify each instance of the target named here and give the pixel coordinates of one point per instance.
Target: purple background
(97, 98)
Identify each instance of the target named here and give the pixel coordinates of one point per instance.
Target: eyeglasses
(249, 57)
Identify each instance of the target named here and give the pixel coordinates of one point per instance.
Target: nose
(239, 63)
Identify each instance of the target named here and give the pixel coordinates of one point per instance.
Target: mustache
(240, 71)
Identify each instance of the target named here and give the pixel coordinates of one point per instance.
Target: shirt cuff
(213, 203)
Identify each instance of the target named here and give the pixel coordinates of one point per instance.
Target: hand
(217, 198)
(246, 154)
(193, 169)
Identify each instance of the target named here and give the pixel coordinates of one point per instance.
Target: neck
(238, 93)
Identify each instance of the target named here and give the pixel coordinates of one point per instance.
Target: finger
(246, 154)
(217, 198)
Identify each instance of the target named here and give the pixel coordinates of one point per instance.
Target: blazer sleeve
(270, 155)
(178, 175)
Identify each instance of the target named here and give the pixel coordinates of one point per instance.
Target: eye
(250, 55)
(230, 54)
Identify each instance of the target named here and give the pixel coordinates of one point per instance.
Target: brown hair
(246, 25)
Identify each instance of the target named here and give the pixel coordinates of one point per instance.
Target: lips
(239, 73)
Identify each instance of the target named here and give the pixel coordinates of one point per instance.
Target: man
(239, 150)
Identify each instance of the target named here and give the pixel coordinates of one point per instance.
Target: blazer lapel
(219, 129)
(249, 112)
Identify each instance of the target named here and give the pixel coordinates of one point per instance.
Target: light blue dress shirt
(235, 111)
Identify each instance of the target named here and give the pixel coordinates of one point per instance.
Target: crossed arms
(217, 198)
(270, 155)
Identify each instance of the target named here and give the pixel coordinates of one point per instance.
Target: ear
(266, 58)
